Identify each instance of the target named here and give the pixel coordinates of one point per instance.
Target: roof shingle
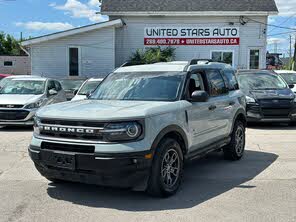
(188, 5)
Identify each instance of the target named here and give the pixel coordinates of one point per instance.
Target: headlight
(123, 131)
(250, 99)
(295, 99)
(36, 125)
(35, 105)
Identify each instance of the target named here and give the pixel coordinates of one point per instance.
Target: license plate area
(59, 160)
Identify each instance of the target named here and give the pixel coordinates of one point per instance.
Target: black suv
(269, 98)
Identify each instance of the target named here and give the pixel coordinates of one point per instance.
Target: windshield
(290, 78)
(154, 86)
(88, 87)
(261, 81)
(23, 87)
(71, 85)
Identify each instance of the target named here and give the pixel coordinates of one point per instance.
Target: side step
(208, 149)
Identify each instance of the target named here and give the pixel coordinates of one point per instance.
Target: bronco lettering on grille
(67, 130)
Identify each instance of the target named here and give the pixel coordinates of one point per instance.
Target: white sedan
(289, 76)
(86, 88)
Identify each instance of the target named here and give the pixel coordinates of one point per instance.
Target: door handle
(212, 107)
(231, 103)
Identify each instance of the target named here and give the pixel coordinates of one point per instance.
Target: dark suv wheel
(235, 149)
(167, 169)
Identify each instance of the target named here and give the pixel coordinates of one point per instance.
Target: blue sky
(38, 17)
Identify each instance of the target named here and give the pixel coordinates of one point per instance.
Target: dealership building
(233, 31)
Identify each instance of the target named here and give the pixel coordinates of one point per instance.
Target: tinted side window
(232, 81)
(217, 84)
(58, 86)
(195, 84)
(51, 85)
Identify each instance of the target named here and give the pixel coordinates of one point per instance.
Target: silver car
(21, 97)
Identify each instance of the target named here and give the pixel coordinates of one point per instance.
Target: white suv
(140, 125)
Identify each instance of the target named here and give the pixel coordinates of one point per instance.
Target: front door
(200, 114)
(73, 61)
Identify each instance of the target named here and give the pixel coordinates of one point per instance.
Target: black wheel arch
(240, 115)
(174, 132)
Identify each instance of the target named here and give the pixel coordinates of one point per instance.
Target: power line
(282, 33)
(284, 21)
(277, 26)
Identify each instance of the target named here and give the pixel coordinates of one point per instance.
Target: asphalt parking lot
(260, 187)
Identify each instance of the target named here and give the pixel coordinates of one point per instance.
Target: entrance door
(254, 58)
(73, 61)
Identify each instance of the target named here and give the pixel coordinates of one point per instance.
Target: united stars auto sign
(191, 36)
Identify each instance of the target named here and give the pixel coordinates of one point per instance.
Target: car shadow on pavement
(16, 128)
(271, 126)
(204, 179)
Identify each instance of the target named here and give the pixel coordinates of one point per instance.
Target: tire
(292, 123)
(166, 176)
(235, 149)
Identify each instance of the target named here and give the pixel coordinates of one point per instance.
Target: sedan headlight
(250, 99)
(124, 131)
(295, 99)
(35, 105)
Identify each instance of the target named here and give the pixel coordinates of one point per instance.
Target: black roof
(188, 5)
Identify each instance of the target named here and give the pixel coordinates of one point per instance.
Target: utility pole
(294, 58)
(290, 53)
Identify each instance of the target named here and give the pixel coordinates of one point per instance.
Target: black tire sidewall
(155, 177)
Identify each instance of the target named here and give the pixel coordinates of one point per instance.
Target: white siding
(131, 37)
(97, 54)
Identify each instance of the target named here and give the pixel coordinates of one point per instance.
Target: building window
(8, 63)
(223, 56)
(254, 58)
(73, 61)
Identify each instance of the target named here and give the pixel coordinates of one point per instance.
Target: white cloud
(48, 26)
(77, 9)
(286, 7)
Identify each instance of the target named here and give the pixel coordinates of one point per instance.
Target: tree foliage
(152, 55)
(9, 45)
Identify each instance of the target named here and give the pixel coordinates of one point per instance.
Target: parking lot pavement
(260, 187)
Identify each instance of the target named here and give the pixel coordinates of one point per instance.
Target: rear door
(219, 104)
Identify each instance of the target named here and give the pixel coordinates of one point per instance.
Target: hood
(272, 94)
(106, 109)
(14, 99)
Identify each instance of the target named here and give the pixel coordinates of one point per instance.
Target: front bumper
(256, 113)
(129, 170)
(26, 121)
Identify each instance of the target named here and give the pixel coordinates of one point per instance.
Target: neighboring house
(17, 65)
(233, 31)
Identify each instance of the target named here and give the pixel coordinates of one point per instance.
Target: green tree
(9, 45)
(152, 55)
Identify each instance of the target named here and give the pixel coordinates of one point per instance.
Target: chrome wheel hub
(239, 140)
(170, 168)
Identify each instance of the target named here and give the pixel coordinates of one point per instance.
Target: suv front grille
(276, 103)
(281, 113)
(13, 114)
(68, 129)
(67, 147)
(72, 123)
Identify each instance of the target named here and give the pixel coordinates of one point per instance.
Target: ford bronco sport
(140, 125)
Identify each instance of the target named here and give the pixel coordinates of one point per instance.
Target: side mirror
(291, 86)
(52, 92)
(75, 91)
(199, 96)
(88, 94)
